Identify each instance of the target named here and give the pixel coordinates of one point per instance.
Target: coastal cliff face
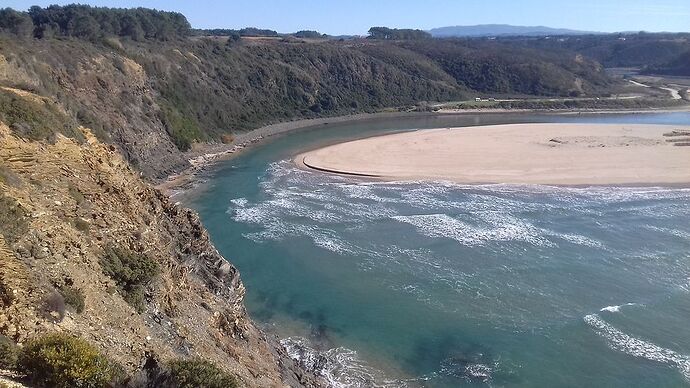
(101, 89)
(64, 203)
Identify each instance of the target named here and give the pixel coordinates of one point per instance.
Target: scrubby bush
(183, 129)
(196, 373)
(73, 297)
(9, 352)
(131, 271)
(63, 361)
(12, 218)
(81, 225)
(8, 177)
(6, 294)
(74, 192)
(55, 306)
(35, 120)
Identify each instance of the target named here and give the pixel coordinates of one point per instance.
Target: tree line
(255, 32)
(385, 33)
(84, 21)
(248, 31)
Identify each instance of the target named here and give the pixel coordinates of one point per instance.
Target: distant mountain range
(501, 30)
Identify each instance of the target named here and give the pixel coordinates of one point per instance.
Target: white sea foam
(330, 243)
(636, 347)
(674, 232)
(366, 192)
(617, 308)
(488, 214)
(250, 215)
(578, 239)
(479, 372)
(462, 369)
(500, 228)
(239, 202)
(340, 367)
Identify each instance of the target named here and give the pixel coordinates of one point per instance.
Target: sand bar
(557, 154)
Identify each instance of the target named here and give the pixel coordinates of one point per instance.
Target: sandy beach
(557, 154)
(203, 156)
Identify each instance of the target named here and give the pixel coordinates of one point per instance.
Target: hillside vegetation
(679, 66)
(139, 80)
(614, 50)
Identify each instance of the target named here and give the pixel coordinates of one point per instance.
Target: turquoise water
(444, 285)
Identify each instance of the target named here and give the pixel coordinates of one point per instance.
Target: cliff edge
(68, 204)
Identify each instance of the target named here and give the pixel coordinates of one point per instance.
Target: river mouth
(443, 285)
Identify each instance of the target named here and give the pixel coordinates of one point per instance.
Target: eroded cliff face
(62, 204)
(102, 89)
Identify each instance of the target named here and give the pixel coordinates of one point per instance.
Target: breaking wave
(636, 347)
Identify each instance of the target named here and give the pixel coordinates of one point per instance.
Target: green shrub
(81, 225)
(135, 296)
(9, 352)
(131, 271)
(6, 294)
(197, 373)
(12, 218)
(88, 120)
(182, 129)
(73, 297)
(63, 361)
(35, 120)
(8, 177)
(54, 304)
(74, 192)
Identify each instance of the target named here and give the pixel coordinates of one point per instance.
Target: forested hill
(141, 80)
(614, 50)
(92, 23)
(680, 66)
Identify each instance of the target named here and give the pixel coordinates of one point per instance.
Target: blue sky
(356, 16)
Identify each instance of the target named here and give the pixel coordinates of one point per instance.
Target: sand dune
(560, 154)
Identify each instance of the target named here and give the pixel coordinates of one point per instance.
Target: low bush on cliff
(195, 373)
(35, 120)
(131, 271)
(62, 361)
(7, 296)
(54, 306)
(183, 129)
(9, 352)
(9, 178)
(12, 218)
(73, 297)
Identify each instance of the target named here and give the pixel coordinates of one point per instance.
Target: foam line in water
(500, 228)
(636, 347)
(617, 308)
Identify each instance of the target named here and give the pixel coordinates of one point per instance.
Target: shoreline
(208, 154)
(539, 153)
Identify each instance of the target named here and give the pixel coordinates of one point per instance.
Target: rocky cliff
(63, 203)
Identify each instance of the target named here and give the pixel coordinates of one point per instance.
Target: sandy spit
(552, 154)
